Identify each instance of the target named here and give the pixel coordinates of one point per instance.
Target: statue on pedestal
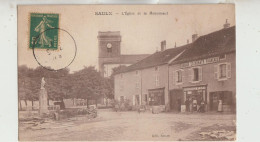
(43, 99)
(42, 83)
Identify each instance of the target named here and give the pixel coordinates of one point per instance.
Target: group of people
(195, 105)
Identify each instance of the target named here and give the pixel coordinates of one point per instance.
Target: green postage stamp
(44, 31)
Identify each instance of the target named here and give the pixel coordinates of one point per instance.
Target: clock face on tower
(109, 45)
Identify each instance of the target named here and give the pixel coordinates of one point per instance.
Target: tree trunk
(87, 103)
(25, 101)
(106, 102)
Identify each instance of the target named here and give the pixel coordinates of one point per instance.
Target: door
(214, 97)
(176, 99)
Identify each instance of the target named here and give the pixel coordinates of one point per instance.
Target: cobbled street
(131, 125)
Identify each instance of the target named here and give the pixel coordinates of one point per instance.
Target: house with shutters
(206, 72)
(147, 81)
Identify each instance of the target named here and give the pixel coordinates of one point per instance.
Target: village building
(147, 81)
(109, 45)
(206, 72)
(201, 71)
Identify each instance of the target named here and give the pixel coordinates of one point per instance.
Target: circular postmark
(58, 58)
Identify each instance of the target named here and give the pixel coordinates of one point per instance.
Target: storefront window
(156, 98)
(224, 96)
(197, 93)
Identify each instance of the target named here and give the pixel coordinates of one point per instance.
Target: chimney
(226, 25)
(163, 45)
(194, 37)
(175, 45)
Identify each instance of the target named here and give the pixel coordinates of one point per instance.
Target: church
(109, 44)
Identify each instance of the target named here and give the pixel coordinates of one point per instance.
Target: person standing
(179, 104)
(202, 106)
(190, 103)
(194, 105)
(187, 104)
(220, 109)
(199, 103)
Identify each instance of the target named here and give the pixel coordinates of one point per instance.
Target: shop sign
(200, 62)
(195, 88)
(156, 91)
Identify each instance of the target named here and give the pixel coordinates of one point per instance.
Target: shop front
(156, 97)
(221, 101)
(195, 95)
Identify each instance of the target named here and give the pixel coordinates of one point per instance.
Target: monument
(43, 99)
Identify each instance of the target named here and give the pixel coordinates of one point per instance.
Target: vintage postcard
(127, 72)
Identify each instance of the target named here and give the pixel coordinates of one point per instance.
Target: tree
(87, 84)
(118, 70)
(28, 85)
(107, 91)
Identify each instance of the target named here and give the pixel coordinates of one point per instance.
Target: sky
(141, 34)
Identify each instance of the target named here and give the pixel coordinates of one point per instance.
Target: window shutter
(173, 77)
(183, 75)
(216, 71)
(157, 81)
(200, 73)
(190, 74)
(229, 70)
(133, 100)
(176, 76)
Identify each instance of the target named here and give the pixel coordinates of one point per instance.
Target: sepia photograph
(127, 72)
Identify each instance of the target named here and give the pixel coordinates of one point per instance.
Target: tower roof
(108, 34)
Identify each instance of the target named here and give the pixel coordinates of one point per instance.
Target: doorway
(225, 96)
(176, 99)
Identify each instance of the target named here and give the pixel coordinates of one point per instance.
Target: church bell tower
(109, 49)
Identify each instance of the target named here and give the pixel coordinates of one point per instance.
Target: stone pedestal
(43, 101)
